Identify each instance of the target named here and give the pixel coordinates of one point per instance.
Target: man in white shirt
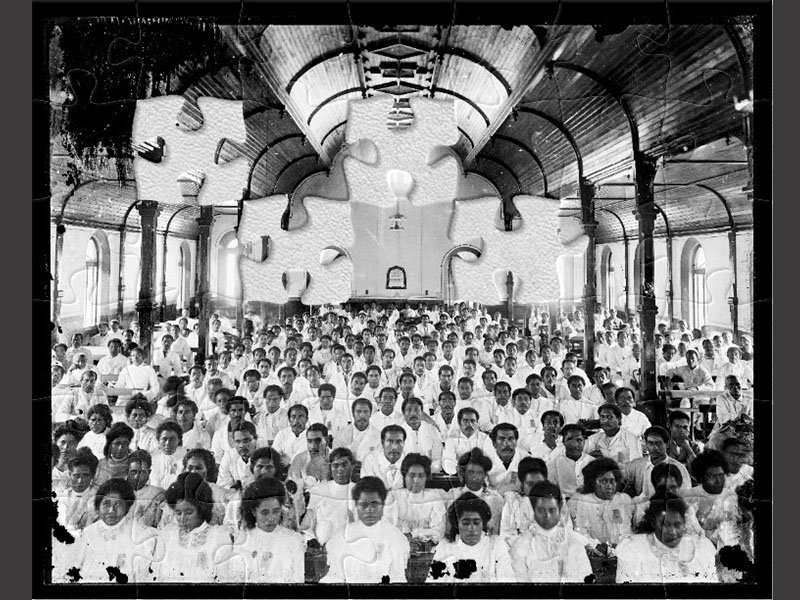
(180, 345)
(78, 348)
(291, 440)
(565, 469)
(113, 362)
(213, 372)
(138, 376)
(613, 441)
(78, 403)
(694, 376)
(732, 403)
(505, 461)
(360, 436)
(421, 437)
(735, 366)
(550, 442)
(638, 471)
(633, 420)
(234, 471)
(384, 462)
(326, 412)
(274, 417)
(389, 413)
(467, 438)
(574, 407)
(165, 361)
(194, 436)
(618, 353)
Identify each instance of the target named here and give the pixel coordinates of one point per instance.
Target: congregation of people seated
(391, 445)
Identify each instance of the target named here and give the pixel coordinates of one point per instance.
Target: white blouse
(421, 515)
(491, 560)
(606, 521)
(557, 555)
(643, 559)
(192, 557)
(361, 554)
(267, 557)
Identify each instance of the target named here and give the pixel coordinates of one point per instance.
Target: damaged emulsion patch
(60, 532)
(74, 575)
(115, 574)
(735, 565)
(464, 568)
(385, 579)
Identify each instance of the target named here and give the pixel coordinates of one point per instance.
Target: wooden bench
(702, 402)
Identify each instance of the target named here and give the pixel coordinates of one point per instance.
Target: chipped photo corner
(449, 304)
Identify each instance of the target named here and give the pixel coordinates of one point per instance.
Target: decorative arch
(228, 282)
(694, 289)
(98, 278)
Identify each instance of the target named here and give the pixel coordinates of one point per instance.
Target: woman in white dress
(549, 552)
(418, 512)
(517, 514)
(116, 452)
(117, 547)
(264, 551)
(191, 549)
(666, 552)
(100, 420)
(468, 553)
(602, 513)
(201, 461)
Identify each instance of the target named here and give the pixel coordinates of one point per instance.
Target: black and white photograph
(353, 300)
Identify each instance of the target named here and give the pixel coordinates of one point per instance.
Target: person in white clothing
(330, 506)
(467, 542)
(550, 441)
(113, 362)
(83, 398)
(633, 420)
(418, 512)
(565, 469)
(385, 462)
(167, 460)
(234, 468)
(613, 441)
(138, 376)
(370, 550)
(389, 413)
(503, 476)
(329, 413)
(743, 370)
(291, 440)
(360, 437)
(467, 438)
(165, 361)
(235, 411)
(100, 419)
(194, 435)
(638, 473)
(421, 437)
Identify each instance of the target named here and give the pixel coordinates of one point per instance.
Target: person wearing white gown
(664, 551)
(264, 551)
(190, 549)
(468, 553)
(370, 550)
(549, 552)
(517, 514)
(117, 547)
(417, 511)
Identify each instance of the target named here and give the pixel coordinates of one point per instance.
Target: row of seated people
(368, 533)
(303, 450)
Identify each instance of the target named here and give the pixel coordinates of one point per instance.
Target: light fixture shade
(191, 182)
(400, 183)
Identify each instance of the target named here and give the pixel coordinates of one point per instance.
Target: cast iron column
(203, 277)
(148, 214)
(588, 191)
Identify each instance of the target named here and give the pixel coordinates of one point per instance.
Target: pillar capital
(148, 208)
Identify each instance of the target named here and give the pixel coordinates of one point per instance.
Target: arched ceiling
(528, 104)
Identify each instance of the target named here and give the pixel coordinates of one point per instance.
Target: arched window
(185, 270)
(699, 287)
(91, 311)
(228, 269)
(396, 278)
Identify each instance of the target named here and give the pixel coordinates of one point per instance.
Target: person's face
(708, 348)
(236, 414)
(736, 456)
(67, 445)
(546, 512)
(369, 507)
(668, 353)
(714, 480)
(531, 479)
(245, 443)
(113, 349)
(445, 379)
(576, 389)
(656, 448)
(166, 343)
(679, 430)
(468, 423)
(112, 509)
(447, 350)
(413, 415)
(80, 360)
(636, 350)
(499, 359)
(510, 366)
(297, 421)
(573, 445)
(464, 390)
(691, 360)
(287, 379)
(388, 400)
(734, 355)
(551, 425)
(388, 358)
(313, 376)
(361, 415)
(342, 470)
(97, 423)
(448, 406)
(187, 516)
(605, 486)
(609, 338)
(224, 361)
(268, 514)
(184, 415)
(556, 346)
(120, 448)
(291, 357)
(419, 368)
(415, 479)
(406, 385)
(501, 395)
(470, 527)
(80, 477)
(568, 367)
(622, 340)
(138, 474)
(548, 377)
(505, 444)
(196, 465)
(264, 467)
(325, 400)
(168, 442)
(315, 442)
(522, 402)
(263, 368)
(77, 340)
(670, 527)
(474, 477)
(609, 422)
(625, 402)
(733, 387)
(196, 376)
(393, 446)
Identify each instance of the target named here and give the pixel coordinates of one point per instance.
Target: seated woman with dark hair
(264, 551)
(467, 552)
(549, 552)
(517, 514)
(602, 513)
(473, 470)
(664, 552)
(100, 419)
(264, 462)
(138, 412)
(75, 497)
(370, 550)
(117, 545)
(116, 452)
(167, 460)
(201, 461)
(149, 504)
(65, 438)
(190, 548)
(417, 511)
